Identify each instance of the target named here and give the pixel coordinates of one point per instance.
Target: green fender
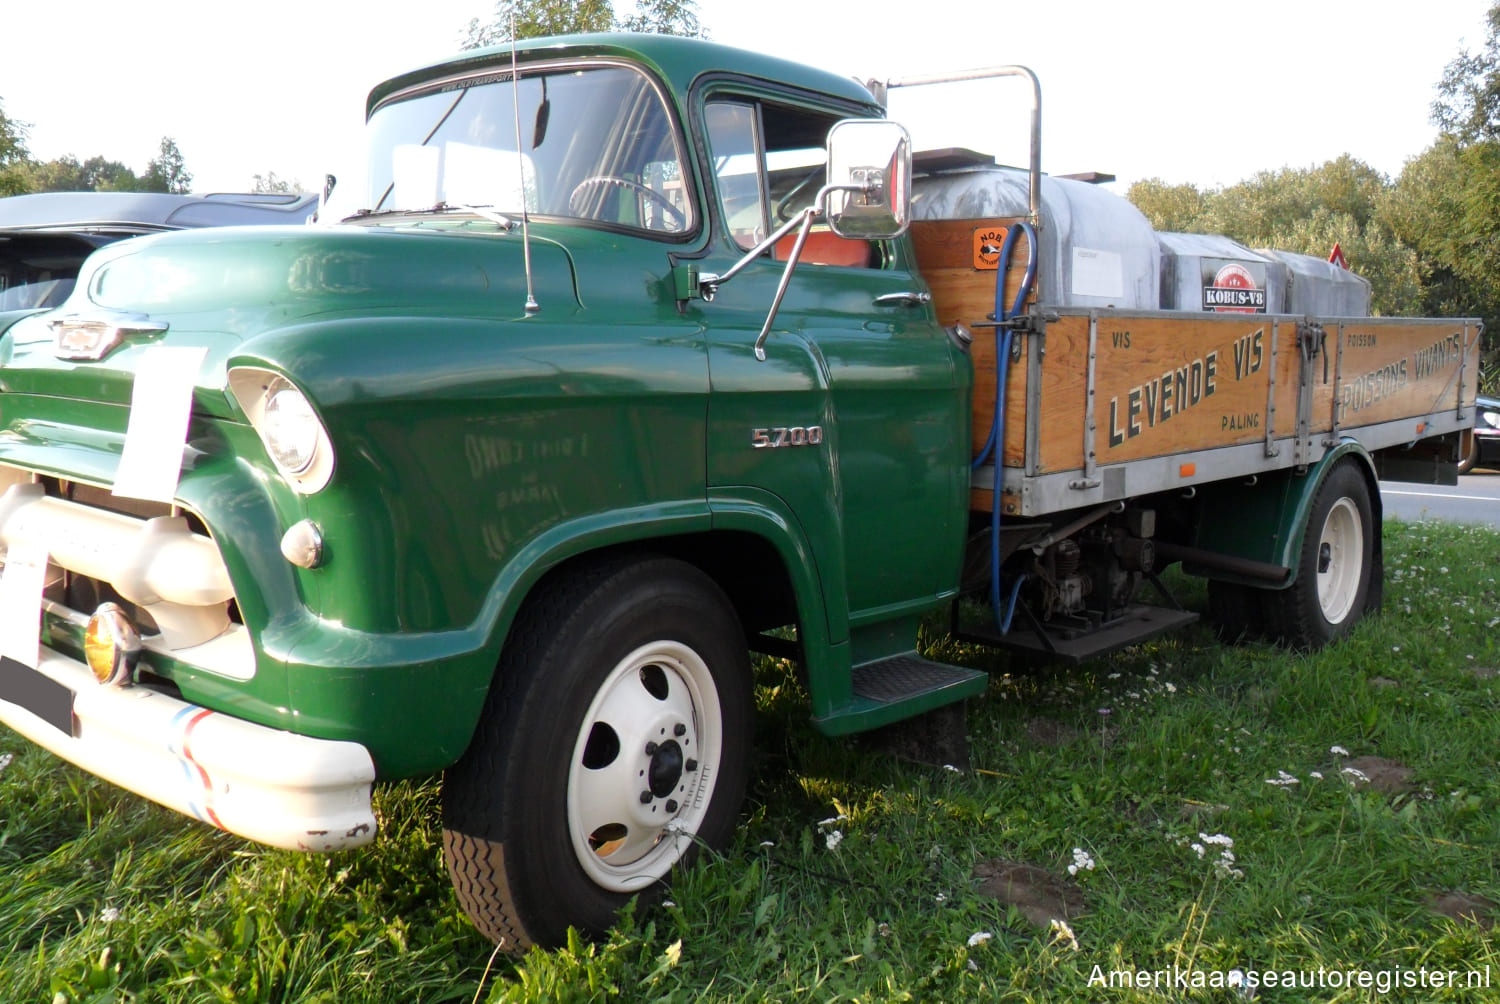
(1271, 516)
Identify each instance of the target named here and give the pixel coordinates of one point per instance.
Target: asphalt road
(1476, 499)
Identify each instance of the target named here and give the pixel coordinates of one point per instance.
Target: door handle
(909, 298)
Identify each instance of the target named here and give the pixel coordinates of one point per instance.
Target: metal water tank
(1095, 248)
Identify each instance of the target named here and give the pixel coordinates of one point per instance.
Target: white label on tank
(1097, 273)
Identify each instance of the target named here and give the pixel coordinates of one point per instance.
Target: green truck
(633, 361)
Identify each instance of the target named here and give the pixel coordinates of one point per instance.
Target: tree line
(1428, 239)
(20, 174)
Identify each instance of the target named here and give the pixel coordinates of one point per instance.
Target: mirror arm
(709, 282)
(807, 217)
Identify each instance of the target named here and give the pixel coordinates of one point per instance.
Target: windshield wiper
(486, 212)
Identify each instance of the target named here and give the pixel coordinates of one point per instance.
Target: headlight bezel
(292, 432)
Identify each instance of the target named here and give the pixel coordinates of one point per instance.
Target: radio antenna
(515, 96)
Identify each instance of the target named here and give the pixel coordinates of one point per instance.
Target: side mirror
(869, 179)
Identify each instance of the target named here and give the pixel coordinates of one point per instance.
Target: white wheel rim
(1341, 556)
(632, 814)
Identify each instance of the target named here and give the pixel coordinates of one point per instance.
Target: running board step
(1137, 623)
(900, 687)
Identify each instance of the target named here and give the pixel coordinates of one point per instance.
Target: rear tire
(1337, 562)
(616, 738)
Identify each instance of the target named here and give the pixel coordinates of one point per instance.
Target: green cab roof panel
(678, 61)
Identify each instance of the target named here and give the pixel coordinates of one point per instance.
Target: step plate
(1138, 623)
(900, 677)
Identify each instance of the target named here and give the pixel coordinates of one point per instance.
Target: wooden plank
(1389, 372)
(956, 259)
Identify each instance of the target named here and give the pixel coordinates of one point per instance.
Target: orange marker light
(1187, 470)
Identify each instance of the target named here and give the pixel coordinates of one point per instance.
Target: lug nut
(646, 798)
(671, 805)
(690, 766)
(679, 730)
(651, 749)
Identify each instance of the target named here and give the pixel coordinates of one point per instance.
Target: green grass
(107, 898)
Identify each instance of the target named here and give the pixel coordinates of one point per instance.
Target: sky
(1183, 90)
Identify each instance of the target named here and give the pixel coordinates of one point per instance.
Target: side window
(769, 163)
(734, 144)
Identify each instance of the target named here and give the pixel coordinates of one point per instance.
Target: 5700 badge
(767, 439)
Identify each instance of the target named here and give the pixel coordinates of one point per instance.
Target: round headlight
(291, 429)
(1490, 418)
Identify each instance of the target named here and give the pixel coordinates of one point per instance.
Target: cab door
(856, 420)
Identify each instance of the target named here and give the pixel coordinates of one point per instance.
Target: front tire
(1337, 564)
(616, 738)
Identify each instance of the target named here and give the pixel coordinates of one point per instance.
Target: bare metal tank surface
(1210, 272)
(1096, 248)
(1315, 286)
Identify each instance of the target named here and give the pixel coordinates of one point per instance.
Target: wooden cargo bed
(1104, 404)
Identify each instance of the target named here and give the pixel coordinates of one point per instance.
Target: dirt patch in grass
(1384, 683)
(1390, 777)
(1486, 672)
(1049, 733)
(1463, 906)
(1040, 896)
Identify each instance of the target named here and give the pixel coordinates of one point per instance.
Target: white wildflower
(1082, 861)
(1063, 933)
(1217, 838)
(1355, 774)
(979, 938)
(768, 843)
(5, 760)
(1283, 779)
(109, 914)
(834, 838)
(941, 897)
(949, 766)
(669, 904)
(824, 824)
(973, 966)
(884, 929)
(1198, 849)
(1171, 687)
(1317, 775)
(1338, 751)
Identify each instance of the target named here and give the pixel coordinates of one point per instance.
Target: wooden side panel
(1165, 385)
(1390, 371)
(960, 261)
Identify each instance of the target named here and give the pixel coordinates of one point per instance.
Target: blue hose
(995, 444)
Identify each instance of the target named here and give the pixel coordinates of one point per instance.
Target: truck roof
(679, 61)
(140, 212)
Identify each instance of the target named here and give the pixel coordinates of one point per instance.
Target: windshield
(595, 144)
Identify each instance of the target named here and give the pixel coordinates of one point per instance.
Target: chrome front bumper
(274, 787)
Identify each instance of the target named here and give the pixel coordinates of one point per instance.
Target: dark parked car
(45, 237)
(1484, 451)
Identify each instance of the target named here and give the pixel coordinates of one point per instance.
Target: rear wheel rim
(1341, 557)
(644, 766)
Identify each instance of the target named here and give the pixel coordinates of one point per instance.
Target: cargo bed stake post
(1271, 448)
(1034, 169)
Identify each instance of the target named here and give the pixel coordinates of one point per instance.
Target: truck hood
(224, 288)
